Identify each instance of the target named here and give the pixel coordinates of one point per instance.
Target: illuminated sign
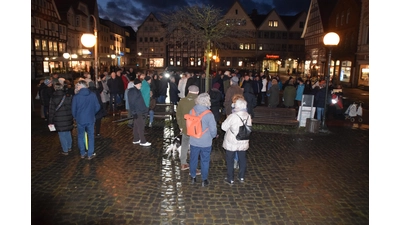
(272, 56)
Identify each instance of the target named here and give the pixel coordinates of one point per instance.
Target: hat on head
(235, 80)
(61, 80)
(193, 88)
(147, 78)
(216, 85)
(227, 73)
(137, 81)
(47, 82)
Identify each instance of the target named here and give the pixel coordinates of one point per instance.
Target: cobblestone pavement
(291, 179)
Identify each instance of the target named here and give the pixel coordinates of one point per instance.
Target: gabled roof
(151, 14)
(325, 8)
(289, 21)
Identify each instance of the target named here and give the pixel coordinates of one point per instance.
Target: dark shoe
(193, 180)
(64, 153)
(228, 182)
(204, 183)
(92, 156)
(83, 156)
(241, 180)
(97, 136)
(130, 126)
(69, 150)
(198, 172)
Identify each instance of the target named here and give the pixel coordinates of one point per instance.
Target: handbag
(244, 130)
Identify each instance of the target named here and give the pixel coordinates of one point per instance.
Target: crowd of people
(231, 97)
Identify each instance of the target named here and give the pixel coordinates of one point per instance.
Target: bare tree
(206, 25)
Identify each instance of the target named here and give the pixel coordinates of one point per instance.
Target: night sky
(134, 12)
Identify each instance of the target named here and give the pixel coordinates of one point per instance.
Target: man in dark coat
(116, 87)
(85, 105)
(46, 92)
(139, 112)
(60, 115)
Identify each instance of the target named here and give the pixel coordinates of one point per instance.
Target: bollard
(312, 125)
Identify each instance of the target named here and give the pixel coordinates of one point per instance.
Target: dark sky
(134, 12)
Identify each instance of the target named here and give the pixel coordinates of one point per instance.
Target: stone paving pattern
(291, 179)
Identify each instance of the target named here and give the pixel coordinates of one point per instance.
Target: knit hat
(193, 88)
(61, 80)
(235, 80)
(137, 81)
(147, 78)
(47, 82)
(227, 73)
(216, 85)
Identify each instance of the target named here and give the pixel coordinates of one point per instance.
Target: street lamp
(331, 40)
(89, 40)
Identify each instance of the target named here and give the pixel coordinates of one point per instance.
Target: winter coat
(232, 90)
(289, 93)
(45, 93)
(299, 92)
(116, 86)
(173, 92)
(319, 100)
(250, 99)
(105, 94)
(102, 112)
(184, 106)
(231, 127)
(216, 99)
(136, 102)
(62, 118)
(273, 99)
(207, 123)
(182, 86)
(85, 105)
(145, 90)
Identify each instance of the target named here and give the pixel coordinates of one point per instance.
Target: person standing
(146, 93)
(250, 98)
(184, 106)
(173, 91)
(139, 112)
(319, 100)
(230, 92)
(299, 91)
(162, 89)
(45, 92)
(231, 144)
(85, 105)
(216, 101)
(60, 115)
(289, 94)
(202, 146)
(273, 99)
(116, 87)
(182, 85)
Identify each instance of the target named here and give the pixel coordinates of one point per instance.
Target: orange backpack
(193, 124)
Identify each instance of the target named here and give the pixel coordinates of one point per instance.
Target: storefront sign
(272, 56)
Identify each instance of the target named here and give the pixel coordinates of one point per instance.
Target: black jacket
(45, 93)
(136, 102)
(62, 118)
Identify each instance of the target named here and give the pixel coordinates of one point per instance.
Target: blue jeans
(320, 113)
(204, 153)
(161, 99)
(65, 140)
(230, 155)
(89, 128)
(151, 115)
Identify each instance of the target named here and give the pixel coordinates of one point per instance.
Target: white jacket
(181, 87)
(231, 127)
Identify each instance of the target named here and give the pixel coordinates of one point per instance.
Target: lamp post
(331, 40)
(89, 40)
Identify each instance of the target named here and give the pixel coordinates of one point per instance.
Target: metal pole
(327, 76)
(95, 53)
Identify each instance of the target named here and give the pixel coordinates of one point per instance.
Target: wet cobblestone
(291, 179)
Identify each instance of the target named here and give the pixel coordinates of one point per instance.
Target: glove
(134, 116)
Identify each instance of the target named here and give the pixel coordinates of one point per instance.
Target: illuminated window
(260, 47)
(241, 46)
(55, 46)
(240, 63)
(44, 45)
(247, 46)
(228, 63)
(273, 23)
(37, 44)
